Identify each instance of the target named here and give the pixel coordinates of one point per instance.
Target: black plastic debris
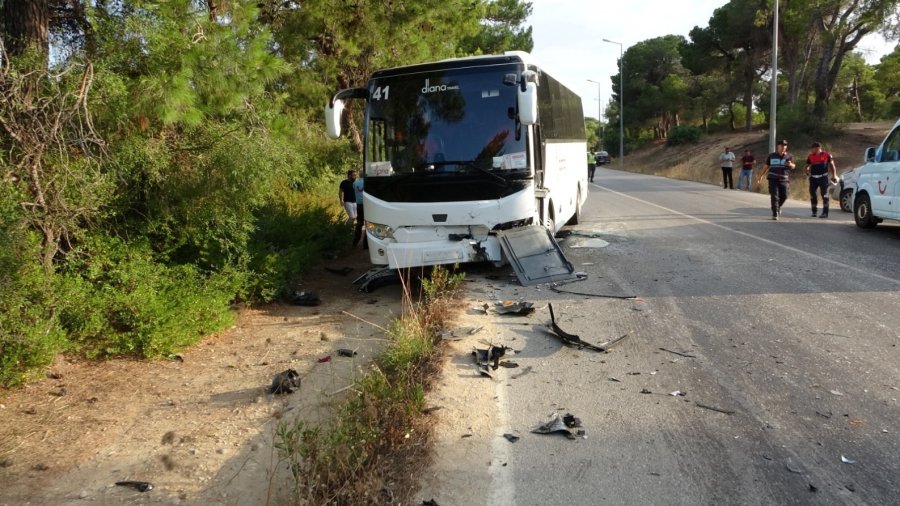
(376, 278)
(140, 486)
(563, 425)
(512, 438)
(574, 340)
(304, 298)
(509, 364)
(430, 502)
(345, 352)
(488, 359)
(285, 382)
(645, 391)
(340, 271)
(508, 307)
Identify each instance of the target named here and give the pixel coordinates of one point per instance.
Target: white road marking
(755, 237)
(502, 485)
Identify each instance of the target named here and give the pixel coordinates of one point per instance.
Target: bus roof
(482, 60)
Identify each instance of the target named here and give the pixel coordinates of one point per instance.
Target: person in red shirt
(820, 169)
(747, 164)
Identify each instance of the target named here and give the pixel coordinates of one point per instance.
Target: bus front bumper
(416, 254)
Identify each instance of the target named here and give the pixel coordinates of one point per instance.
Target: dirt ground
(200, 427)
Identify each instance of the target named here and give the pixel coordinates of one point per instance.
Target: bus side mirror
(333, 112)
(870, 155)
(528, 107)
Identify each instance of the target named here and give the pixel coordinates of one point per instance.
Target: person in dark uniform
(820, 169)
(777, 169)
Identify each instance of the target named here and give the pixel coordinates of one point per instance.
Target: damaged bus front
(460, 150)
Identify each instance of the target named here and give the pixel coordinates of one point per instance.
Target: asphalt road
(792, 328)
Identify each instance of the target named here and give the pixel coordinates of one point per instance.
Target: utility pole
(774, 96)
(599, 113)
(621, 103)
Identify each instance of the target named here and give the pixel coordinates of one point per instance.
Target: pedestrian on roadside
(818, 166)
(777, 170)
(358, 233)
(347, 195)
(726, 160)
(747, 165)
(592, 165)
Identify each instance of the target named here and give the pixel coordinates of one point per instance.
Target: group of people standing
(350, 193)
(777, 167)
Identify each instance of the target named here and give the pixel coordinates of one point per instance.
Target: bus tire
(576, 218)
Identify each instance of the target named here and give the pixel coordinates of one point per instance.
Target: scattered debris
(431, 409)
(824, 415)
(140, 486)
(616, 380)
(376, 278)
(845, 460)
(340, 271)
(677, 393)
(326, 358)
(574, 340)
(680, 354)
(856, 422)
(525, 371)
(511, 437)
(850, 487)
(430, 502)
(790, 467)
(457, 334)
(813, 488)
(836, 392)
(304, 298)
(285, 382)
(509, 307)
(40, 467)
(555, 287)
(560, 424)
(645, 391)
(489, 358)
(509, 364)
(713, 408)
(345, 352)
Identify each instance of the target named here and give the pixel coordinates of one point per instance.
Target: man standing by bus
(348, 196)
(820, 169)
(727, 163)
(777, 168)
(592, 165)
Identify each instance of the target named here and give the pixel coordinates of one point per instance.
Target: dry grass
(369, 453)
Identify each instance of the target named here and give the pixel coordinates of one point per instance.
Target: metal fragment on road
(508, 307)
(140, 486)
(574, 340)
(558, 424)
(512, 438)
(845, 460)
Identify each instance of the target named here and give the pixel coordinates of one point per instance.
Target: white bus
(457, 151)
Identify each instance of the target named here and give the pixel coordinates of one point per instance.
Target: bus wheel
(576, 218)
(550, 221)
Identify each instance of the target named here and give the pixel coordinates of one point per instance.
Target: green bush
(30, 335)
(121, 301)
(683, 134)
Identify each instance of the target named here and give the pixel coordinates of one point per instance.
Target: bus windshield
(446, 122)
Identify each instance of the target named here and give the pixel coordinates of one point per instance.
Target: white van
(877, 195)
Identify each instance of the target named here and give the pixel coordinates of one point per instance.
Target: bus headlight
(380, 232)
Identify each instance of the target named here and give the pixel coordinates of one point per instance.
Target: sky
(568, 37)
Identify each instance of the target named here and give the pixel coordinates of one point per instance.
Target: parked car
(877, 192)
(602, 158)
(843, 191)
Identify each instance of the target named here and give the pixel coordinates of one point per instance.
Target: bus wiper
(473, 165)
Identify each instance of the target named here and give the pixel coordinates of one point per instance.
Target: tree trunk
(25, 24)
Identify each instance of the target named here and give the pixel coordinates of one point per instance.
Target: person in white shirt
(726, 160)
